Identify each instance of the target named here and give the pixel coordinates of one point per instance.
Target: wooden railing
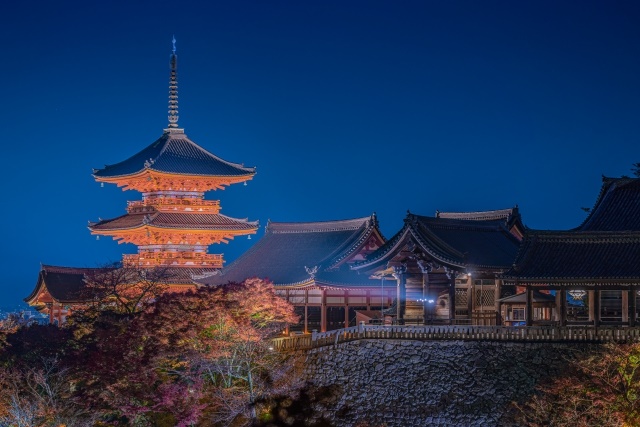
(464, 333)
(170, 204)
(173, 259)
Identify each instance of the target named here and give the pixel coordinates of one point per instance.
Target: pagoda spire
(173, 88)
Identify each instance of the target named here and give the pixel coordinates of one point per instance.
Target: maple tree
(196, 358)
(601, 388)
(124, 289)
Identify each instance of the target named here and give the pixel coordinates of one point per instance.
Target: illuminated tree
(601, 389)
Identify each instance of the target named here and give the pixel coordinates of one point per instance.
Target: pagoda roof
(458, 243)
(170, 220)
(64, 284)
(174, 153)
(617, 207)
(302, 252)
(589, 257)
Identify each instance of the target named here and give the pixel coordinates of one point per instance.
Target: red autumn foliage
(198, 358)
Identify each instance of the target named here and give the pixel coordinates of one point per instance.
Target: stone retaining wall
(425, 383)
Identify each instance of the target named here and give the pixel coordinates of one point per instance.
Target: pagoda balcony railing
(174, 204)
(460, 333)
(173, 259)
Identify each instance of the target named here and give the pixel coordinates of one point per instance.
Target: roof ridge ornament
(173, 88)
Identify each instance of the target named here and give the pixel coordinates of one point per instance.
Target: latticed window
(485, 297)
(462, 298)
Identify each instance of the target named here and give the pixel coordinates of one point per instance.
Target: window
(518, 314)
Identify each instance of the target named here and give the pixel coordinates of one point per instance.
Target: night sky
(345, 107)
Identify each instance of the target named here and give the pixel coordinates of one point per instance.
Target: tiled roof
(550, 257)
(479, 216)
(459, 243)
(617, 207)
(63, 283)
(174, 220)
(289, 253)
(174, 153)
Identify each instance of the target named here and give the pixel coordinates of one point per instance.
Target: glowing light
(577, 294)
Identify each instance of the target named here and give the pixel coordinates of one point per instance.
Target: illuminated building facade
(172, 225)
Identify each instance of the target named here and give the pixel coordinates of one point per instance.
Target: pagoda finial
(173, 88)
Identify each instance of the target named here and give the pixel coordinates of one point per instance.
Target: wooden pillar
(425, 295)
(592, 306)
(470, 297)
(633, 316)
(498, 304)
(50, 306)
(625, 306)
(323, 312)
(558, 315)
(401, 293)
(596, 307)
(563, 306)
(306, 318)
(346, 309)
(529, 309)
(452, 298)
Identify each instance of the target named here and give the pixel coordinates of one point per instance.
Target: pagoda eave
(144, 236)
(150, 180)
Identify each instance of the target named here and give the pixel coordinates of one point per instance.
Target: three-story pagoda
(173, 225)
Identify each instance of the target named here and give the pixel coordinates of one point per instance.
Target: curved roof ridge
(246, 220)
(184, 137)
(349, 245)
(388, 246)
(317, 226)
(602, 206)
(455, 223)
(66, 269)
(479, 215)
(166, 155)
(439, 241)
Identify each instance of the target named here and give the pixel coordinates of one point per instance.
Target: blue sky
(345, 107)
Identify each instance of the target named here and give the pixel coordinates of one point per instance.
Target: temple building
(309, 264)
(593, 270)
(172, 225)
(447, 268)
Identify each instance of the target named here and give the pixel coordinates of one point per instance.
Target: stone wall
(425, 383)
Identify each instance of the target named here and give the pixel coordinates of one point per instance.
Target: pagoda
(173, 225)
